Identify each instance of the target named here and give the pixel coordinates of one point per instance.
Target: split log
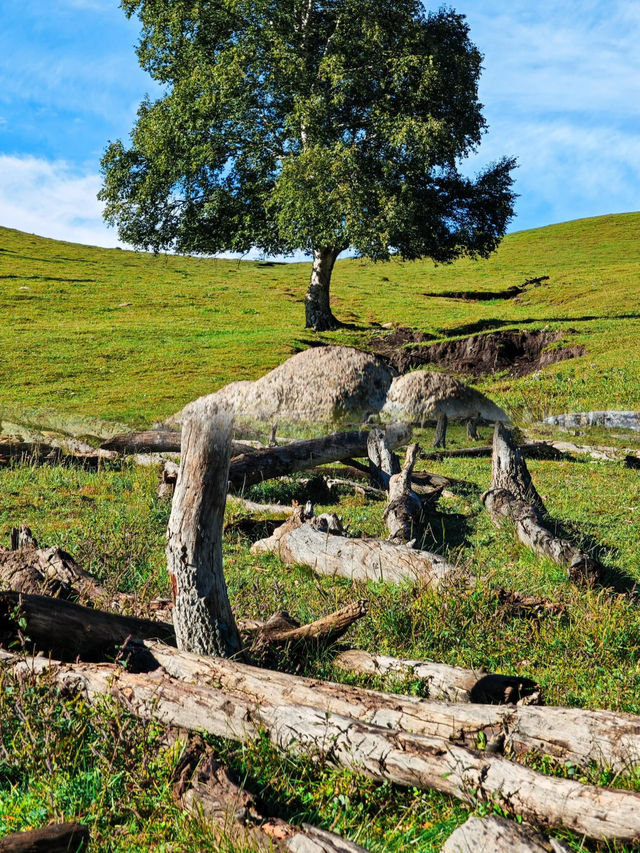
(440, 438)
(67, 630)
(202, 615)
(494, 833)
(55, 838)
(573, 735)
(250, 468)
(513, 497)
(386, 755)
(404, 512)
(297, 542)
(444, 682)
(207, 789)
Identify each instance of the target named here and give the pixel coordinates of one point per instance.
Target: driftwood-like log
(67, 630)
(208, 789)
(250, 468)
(55, 838)
(281, 628)
(299, 542)
(509, 470)
(495, 834)
(387, 755)
(534, 534)
(383, 462)
(513, 497)
(444, 682)
(202, 615)
(404, 512)
(607, 738)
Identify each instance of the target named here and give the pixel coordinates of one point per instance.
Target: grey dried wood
(384, 754)
(444, 682)
(404, 513)
(202, 615)
(495, 834)
(300, 543)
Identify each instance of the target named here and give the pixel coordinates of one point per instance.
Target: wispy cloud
(52, 199)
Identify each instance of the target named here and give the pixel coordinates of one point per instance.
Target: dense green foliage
(307, 125)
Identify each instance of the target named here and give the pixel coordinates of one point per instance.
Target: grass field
(132, 337)
(90, 333)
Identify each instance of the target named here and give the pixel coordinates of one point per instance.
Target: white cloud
(53, 200)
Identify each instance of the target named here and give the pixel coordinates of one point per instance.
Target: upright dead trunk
(202, 615)
(318, 314)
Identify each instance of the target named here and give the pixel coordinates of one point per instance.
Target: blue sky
(561, 90)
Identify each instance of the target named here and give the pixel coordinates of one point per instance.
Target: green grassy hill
(132, 337)
(124, 336)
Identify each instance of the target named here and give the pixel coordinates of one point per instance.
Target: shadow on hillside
(445, 530)
(492, 323)
(49, 278)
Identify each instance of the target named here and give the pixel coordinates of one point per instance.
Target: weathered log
(202, 615)
(444, 682)
(257, 508)
(388, 755)
(498, 835)
(534, 534)
(67, 630)
(509, 470)
(281, 628)
(404, 512)
(440, 438)
(250, 468)
(56, 838)
(208, 789)
(159, 441)
(299, 542)
(573, 735)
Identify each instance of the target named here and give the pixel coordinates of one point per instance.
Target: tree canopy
(315, 125)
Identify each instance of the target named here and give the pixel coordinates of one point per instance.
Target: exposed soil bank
(518, 352)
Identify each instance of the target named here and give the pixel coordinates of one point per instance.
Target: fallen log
(444, 682)
(299, 542)
(573, 735)
(55, 838)
(513, 497)
(67, 629)
(281, 628)
(209, 790)
(387, 755)
(498, 835)
(264, 464)
(158, 441)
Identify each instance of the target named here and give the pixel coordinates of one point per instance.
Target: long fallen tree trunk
(300, 542)
(513, 497)
(264, 464)
(383, 754)
(444, 682)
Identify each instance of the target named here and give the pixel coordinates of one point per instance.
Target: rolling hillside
(131, 337)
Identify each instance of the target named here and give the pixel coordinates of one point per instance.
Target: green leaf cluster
(299, 124)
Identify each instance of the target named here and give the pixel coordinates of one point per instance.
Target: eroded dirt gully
(518, 352)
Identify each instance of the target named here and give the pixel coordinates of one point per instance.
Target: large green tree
(320, 125)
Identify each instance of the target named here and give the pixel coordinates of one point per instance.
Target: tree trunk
(56, 838)
(264, 464)
(498, 835)
(404, 512)
(472, 429)
(318, 314)
(202, 615)
(299, 542)
(383, 462)
(374, 750)
(443, 682)
(509, 470)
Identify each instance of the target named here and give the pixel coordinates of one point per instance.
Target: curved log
(405, 759)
